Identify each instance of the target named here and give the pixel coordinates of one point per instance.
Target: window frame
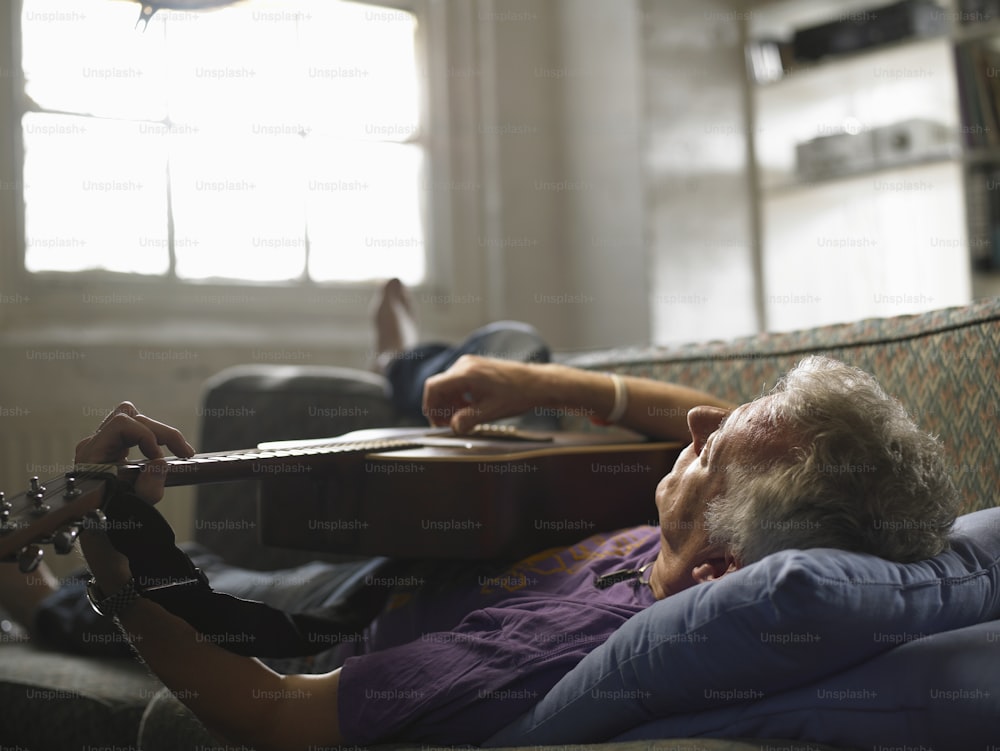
(221, 305)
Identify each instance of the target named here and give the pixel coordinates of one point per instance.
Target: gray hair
(859, 475)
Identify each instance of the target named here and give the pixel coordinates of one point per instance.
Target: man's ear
(714, 568)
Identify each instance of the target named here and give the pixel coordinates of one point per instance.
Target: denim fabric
(507, 340)
(66, 621)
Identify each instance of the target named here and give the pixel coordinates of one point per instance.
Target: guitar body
(468, 498)
(398, 492)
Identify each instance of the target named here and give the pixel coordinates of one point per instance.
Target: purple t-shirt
(456, 667)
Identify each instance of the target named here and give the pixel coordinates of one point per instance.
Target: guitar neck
(271, 459)
(222, 466)
(37, 514)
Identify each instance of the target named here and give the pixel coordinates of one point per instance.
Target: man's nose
(702, 422)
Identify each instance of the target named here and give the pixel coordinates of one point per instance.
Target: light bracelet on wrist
(620, 403)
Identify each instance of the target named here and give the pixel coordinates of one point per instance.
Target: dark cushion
(170, 726)
(57, 702)
(249, 404)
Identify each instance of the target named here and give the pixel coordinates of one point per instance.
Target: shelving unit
(977, 66)
(904, 225)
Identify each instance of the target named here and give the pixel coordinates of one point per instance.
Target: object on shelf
(911, 141)
(835, 155)
(769, 59)
(864, 29)
(978, 11)
(977, 65)
(983, 201)
(905, 142)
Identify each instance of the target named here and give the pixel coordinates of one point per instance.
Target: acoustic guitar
(400, 492)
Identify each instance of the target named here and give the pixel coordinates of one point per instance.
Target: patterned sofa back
(944, 366)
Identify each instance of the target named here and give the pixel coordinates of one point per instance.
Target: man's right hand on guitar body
(479, 389)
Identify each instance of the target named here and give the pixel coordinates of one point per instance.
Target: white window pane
(361, 77)
(364, 211)
(238, 205)
(264, 99)
(87, 56)
(234, 65)
(95, 195)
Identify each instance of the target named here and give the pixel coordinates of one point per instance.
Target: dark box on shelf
(863, 29)
(978, 11)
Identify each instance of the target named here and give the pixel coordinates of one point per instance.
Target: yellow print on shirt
(567, 561)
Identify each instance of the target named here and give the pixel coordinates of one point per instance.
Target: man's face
(720, 439)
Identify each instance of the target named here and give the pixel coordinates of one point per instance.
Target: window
(271, 141)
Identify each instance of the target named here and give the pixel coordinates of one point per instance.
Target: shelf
(905, 224)
(975, 32)
(798, 184)
(981, 155)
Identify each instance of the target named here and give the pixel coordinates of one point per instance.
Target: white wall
(601, 183)
(700, 227)
(561, 236)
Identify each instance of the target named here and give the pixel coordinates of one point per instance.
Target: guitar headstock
(49, 513)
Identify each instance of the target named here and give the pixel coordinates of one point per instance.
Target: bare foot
(395, 327)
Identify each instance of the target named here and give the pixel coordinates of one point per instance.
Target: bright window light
(271, 141)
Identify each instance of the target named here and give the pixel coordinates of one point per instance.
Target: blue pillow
(784, 622)
(940, 692)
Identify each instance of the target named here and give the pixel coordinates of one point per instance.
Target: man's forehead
(753, 427)
(747, 422)
(734, 418)
(756, 411)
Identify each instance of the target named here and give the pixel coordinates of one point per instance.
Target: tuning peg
(71, 490)
(29, 558)
(37, 494)
(95, 521)
(64, 539)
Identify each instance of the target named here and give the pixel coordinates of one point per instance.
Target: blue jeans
(66, 621)
(507, 340)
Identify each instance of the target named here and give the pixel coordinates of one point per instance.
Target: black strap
(165, 574)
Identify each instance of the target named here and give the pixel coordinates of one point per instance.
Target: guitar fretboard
(229, 465)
